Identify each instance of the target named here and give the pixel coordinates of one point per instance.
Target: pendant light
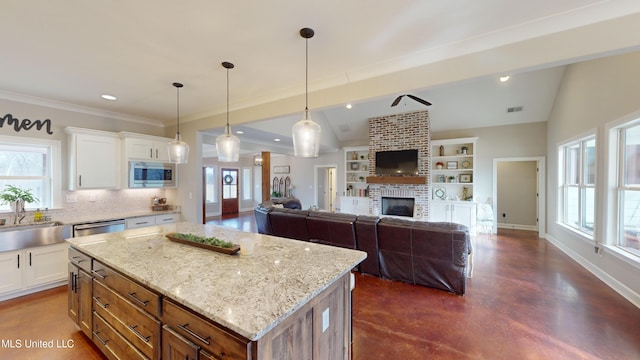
(178, 149)
(306, 132)
(227, 144)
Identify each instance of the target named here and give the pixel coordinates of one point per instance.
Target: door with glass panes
(229, 191)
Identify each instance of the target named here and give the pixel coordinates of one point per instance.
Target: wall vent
(515, 109)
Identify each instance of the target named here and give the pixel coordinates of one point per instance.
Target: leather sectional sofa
(424, 253)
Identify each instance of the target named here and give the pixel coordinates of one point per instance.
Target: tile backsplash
(102, 204)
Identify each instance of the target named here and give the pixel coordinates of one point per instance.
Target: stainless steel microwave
(150, 174)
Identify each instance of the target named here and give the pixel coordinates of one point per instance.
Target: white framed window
(210, 184)
(577, 169)
(628, 187)
(32, 164)
(246, 183)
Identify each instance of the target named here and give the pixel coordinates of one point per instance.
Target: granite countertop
(250, 292)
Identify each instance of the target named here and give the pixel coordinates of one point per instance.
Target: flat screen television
(397, 163)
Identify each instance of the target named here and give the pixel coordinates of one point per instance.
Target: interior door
(229, 191)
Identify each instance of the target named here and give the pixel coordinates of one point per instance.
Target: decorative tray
(180, 238)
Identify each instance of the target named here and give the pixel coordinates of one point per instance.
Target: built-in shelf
(417, 180)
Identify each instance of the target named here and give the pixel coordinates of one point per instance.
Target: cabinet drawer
(112, 344)
(79, 259)
(138, 222)
(138, 327)
(204, 333)
(167, 219)
(137, 294)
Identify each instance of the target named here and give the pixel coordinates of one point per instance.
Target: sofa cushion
(395, 255)
(332, 229)
(289, 223)
(367, 241)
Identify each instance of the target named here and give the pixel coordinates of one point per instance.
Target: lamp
(257, 160)
(227, 144)
(306, 132)
(178, 149)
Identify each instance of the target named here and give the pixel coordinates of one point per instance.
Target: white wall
(593, 94)
(302, 173)
(517, 201)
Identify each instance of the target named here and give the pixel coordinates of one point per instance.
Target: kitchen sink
(32, 235)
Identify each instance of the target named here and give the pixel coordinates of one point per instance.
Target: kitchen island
(154, 298)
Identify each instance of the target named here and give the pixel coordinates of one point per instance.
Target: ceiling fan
(397, 100)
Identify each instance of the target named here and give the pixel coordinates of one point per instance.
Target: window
(210, 184)
(31, 164)
(246, 183)
(229, 184)
(629, 188)
(578, 171)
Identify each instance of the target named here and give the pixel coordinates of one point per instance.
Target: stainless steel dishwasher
(99, 227)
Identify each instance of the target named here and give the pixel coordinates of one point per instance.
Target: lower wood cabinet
(80, 290)
(205, 334)
(126, 320)
(175, 347)
(111, 343)
(133, 324)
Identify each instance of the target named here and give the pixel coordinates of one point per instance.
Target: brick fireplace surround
(401, 132)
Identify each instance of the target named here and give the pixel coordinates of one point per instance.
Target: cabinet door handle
(75, 282)
(18, 261)
(136, 299)
(29, 258)
(188, 331)
(79, 180)
(103, 341)
(157, 154)
(72, 281)
(74, 259)
(97, 300)
(142, 337)
(151, 153)
(96, 273)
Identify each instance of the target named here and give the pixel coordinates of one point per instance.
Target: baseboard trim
(33, 290)
(517, 227)
(612, 282)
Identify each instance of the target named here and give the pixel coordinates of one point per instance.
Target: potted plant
(17, 197)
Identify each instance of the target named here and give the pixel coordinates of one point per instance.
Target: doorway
(325, 185)
(519, 194)
(229, 185)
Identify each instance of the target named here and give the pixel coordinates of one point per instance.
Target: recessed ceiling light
(239, 132)
(348, 106)
(504, 78)
(108, 97)
(276, 140)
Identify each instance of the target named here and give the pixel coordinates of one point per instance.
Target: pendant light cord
(178, 110)
(306, 80)
(228, 130)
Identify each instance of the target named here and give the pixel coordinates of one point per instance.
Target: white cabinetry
(354, 205)
(452, 179)
(94, 159)
(459, 212)
(10, 271)
(142, 147)
(32, 268)
(138, 222)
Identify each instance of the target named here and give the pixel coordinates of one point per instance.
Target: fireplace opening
(398, 206)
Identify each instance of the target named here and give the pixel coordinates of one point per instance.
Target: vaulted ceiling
(71, 52)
